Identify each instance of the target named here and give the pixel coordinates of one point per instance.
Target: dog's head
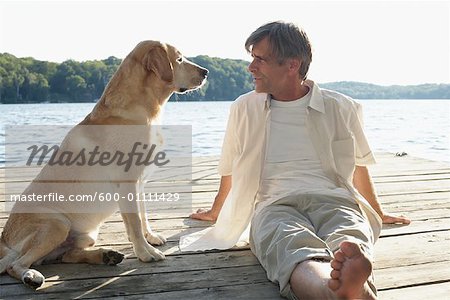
(146, 79)
(170, 66)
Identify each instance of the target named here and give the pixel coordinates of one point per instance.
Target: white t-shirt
(291, 166)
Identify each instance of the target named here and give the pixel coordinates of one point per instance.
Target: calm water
(418, 127)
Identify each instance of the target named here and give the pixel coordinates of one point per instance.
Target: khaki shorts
(302, 227)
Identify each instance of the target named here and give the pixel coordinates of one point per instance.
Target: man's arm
(363, 183)
(212, 213)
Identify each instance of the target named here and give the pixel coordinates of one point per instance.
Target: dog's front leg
(143, 250)
(151, 237)
(130, 214)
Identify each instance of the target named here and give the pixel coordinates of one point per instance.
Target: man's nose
(251, 66)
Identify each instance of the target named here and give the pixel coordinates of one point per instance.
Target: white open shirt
(334, 123)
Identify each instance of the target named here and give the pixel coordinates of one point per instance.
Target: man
(294, 158)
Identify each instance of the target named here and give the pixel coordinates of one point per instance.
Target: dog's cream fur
(134, 96)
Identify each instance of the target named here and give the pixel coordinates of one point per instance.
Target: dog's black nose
(205, 72)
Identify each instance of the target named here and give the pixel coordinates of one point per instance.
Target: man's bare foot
(351, 269)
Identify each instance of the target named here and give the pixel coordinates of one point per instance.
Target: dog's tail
(7, 256)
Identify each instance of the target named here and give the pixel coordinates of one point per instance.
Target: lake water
(418, 127)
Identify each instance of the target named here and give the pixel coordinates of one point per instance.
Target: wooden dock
(412, 262)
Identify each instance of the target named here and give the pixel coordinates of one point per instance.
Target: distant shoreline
(26, 80)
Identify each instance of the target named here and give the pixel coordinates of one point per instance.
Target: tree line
(27, 80)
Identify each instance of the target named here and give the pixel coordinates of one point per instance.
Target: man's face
(268, 75)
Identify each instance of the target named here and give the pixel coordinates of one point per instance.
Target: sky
(380, 42)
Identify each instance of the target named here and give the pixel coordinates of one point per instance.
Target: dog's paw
(112, 258)
(33, 279)
(155, 239)
(150, 254)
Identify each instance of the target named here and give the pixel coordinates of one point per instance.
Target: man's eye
(180, 59)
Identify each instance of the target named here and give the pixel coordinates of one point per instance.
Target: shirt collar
(267, 101)
(315, 101)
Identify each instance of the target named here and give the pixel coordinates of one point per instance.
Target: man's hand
(212, 214)
(204, 215)
(390, 219)
(364, 184)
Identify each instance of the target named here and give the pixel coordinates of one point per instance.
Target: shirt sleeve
(364, 155)
(230, 144)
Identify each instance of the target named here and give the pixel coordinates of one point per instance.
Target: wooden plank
(209, 173)
(386, 170)
(204, 199)
(415, 186)
(412, 198)
(428, 219)
(263, 291)
(387, 188)
(420, 248)
(412, 177)
(126, 280)
(423, 226)
(412, 249)
(120, 285)
(425, 217)
(429, 291)
(401, 203)
(116, 232)
(416, 274)
(173, 263)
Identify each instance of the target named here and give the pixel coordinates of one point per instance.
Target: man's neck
(296, 92)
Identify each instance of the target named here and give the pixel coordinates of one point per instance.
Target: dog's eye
(180, 59)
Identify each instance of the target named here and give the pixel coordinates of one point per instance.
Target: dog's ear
(156, 60)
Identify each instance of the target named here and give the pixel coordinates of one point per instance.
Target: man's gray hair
(287, 40)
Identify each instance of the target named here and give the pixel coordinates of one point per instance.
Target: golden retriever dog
(39, 232)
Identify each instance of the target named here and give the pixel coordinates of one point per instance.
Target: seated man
(294, 157)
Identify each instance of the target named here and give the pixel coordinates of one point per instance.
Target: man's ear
(156, 60)
(294, 65)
